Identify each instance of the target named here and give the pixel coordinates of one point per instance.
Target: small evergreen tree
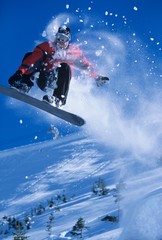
(50, 225)
(17, 224)
(27, 221)
(19, 235)
(64, 199)
(40, 209)
(58, 197)
(78, 227)
(99, 188)
(51, 203)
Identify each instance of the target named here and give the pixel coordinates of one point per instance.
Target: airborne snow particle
(67, 6)
(21, 121)
(44, 34)
(135, 8)
(98, 52)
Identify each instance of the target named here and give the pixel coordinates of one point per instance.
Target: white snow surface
(33, 174)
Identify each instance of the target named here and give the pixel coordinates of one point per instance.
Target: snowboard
(62, 114)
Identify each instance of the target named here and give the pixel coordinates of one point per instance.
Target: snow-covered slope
(34, 174)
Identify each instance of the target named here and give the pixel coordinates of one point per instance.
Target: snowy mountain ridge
(63, 172)
(58, 169)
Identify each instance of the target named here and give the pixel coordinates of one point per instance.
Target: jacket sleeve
(34, 60)
(88, 67)
(83, 64)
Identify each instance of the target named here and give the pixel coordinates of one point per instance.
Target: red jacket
(47, 57)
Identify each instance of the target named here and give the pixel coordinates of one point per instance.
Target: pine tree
(27, 221)
(40, 210)
(20, 235)
(51, 203)
(78, 227)
(49, 225)
(99, 188)
(64, 199)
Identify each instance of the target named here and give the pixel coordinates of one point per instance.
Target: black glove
(16, 77)
(100, 80)
(23, 78)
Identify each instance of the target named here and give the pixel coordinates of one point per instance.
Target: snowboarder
(53, 62)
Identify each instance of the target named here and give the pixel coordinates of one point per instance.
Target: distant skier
(54, 61)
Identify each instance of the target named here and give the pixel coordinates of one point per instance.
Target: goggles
(61, 37)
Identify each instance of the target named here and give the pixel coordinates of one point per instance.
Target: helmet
(63, 37)
(65, 30)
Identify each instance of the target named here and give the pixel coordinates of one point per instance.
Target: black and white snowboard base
(67, 116)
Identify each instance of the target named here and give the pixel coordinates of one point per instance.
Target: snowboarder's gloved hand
(23, 78)
(16, 77)
(100, 80)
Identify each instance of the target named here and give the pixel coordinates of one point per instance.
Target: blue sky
(22, 23)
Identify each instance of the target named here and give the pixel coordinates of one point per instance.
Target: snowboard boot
(48, 99)
(58, 102)
(22, 87)
(53, 101)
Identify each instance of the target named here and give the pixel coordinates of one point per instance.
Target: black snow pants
(58, 80)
